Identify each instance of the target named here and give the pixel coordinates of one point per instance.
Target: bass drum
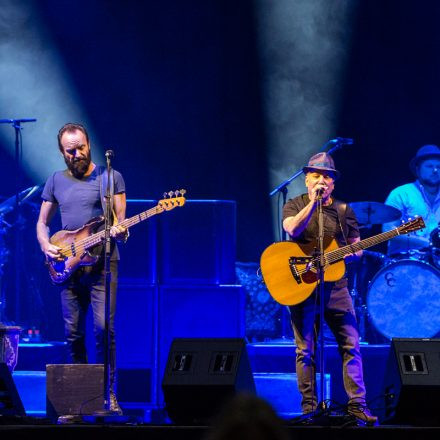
(404, 300)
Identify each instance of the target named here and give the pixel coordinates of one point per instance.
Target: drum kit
(9, 221)
(397, 293)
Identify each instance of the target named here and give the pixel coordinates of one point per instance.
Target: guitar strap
(103, 174)
(342, 208)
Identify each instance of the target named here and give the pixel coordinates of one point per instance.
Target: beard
(433, 181)
(78, 167)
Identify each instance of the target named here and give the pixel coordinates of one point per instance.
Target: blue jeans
(84, 288)
(340, 317)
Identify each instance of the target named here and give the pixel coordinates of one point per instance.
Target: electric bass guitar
(76, 245)
(290, 271)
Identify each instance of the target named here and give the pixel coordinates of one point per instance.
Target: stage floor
(269, 357)
(170, 432)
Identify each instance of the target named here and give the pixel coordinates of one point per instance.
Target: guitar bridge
(292, 265)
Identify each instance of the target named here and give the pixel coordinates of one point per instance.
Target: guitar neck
(98, 237)
(339, 254)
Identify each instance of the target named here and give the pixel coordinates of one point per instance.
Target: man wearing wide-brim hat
(419, 198)
(300, 221)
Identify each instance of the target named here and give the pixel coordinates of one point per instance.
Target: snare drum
(404, 300)
(409, 246)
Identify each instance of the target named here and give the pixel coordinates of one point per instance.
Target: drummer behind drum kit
(398, 294)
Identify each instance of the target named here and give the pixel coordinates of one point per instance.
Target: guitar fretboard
(339, 254)
(99, 237)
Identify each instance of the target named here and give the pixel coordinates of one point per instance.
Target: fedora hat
(425, 152)
(322, 162)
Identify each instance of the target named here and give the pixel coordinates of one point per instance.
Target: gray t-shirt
(332, 227)
(79, 200)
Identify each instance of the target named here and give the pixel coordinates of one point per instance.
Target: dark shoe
(114, 405)
(69, 419)
(363, 414)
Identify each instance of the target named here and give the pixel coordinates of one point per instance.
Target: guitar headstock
(172, 199)
(411, 226)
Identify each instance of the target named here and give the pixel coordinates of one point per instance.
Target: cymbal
(24, 196)
(375, 213)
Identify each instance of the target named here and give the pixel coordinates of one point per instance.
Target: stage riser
(136, 383)
(281, 391)
(280, 358)
(31, 386)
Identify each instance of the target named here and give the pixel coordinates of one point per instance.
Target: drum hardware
(435, 237)
(360, 274)
(361, 313)
(435, 257)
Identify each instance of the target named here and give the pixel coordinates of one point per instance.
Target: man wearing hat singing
(419, 198)
(300, 221)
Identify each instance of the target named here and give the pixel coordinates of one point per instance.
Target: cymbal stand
(359, 306)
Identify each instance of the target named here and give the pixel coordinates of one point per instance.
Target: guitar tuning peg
(170, 194)
(182, 192)
(165, 195)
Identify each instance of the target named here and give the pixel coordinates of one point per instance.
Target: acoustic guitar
(76, 246)
(290, 271)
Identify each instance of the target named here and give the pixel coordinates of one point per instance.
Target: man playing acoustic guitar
(78, 192)
(300, 221)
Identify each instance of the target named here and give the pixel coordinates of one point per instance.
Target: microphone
(346, 141)
(320, 191)
(13, 121)
(109, 154)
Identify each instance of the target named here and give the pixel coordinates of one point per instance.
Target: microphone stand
(107, 251)
(321, 269)
(16, 123)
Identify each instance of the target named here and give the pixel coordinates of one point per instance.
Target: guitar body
(291, 283)
(60, 271)
(289, 269)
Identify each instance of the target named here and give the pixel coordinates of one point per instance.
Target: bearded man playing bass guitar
(78, 192)
(300, 221)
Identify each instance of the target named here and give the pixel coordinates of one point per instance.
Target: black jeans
(84, 288)
(340, 317)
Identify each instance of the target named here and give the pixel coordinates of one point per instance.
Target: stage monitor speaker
(74, 389)
(10, 402)
(202, 374)
(412, 382)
